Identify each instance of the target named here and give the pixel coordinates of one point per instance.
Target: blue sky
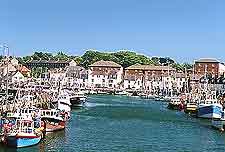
(182, 29)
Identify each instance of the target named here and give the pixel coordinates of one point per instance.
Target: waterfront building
(24, 70)
(76, 76)
(72, 76)
(55, 77)
(105, 74)
(14, 62)
(14, 77)
(209, 65)
(50, 64)
(146, 77)
(10, 69)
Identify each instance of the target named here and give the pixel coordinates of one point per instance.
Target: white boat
(23, 134)
(167, 98)
(210, 107)
(209, 111)
(174, 103)
(78, 99)
(63, 102)
(54, 119)
(219, 123)
(121, 93)
(24, 113)
(93, 92)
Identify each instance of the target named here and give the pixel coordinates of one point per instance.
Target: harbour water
(117, 123)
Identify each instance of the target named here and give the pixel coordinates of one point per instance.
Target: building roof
(149, 67)
(105, 64)
(24, 69)
(76, 71)
(10, 75)
(207, 60)
(49, 61)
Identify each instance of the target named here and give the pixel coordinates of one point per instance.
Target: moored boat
(54, 120)
(191, 108)
(209, 107)
(24, 134)
(78, 99)
(209, 110)
(219, 123)
(174, 103)
(63, 103)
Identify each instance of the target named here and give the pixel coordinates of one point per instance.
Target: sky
(184, 30)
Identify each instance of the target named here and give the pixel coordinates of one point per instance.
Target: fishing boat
(77, 99)
(191, 108)
(24, 134)
(24, 113)
(219, 123)
(148, 96)
(209, 111)
(54, 120)
(174, 103)
(121, 93)
(209, 107)
(63, 102)
(93, 92)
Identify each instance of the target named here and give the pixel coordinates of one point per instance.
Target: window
(92, 80)
(110, 85)
(98, 76)
(103, 80)
(110, 81)
(129, 81)
(138, 82)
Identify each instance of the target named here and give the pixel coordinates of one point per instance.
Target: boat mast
(168, 64)
(7, 74)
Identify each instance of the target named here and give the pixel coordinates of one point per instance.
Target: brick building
(210, 66)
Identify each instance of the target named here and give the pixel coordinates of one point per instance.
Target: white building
(56, 78)
(17, 77)
(14, 77)
(76, 76)
(14, 62)
(105, 74)
(147, 77)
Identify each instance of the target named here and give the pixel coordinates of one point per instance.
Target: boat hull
(53, 128)
(172, 106)
(209, 111)
(22, 141)
(218, 124)
(77, 102)
(191, 109)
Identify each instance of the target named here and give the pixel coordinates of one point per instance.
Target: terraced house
(105, 74)
(148, 77)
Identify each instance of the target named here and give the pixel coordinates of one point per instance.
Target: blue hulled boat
(209, 111)
(22, 140)
(24, 135)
